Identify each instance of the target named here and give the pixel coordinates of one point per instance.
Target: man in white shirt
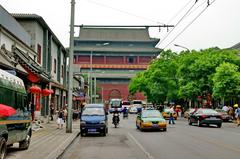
(171, 119)
(225, 108)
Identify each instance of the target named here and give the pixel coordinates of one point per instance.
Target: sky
(196, 25)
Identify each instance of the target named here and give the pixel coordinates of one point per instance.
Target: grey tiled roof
(236, 46)
(115, 34)
(10, 24)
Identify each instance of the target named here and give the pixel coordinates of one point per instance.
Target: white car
(133, 110)
(126, 104)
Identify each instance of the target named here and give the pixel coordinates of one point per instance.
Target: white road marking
(140, 146)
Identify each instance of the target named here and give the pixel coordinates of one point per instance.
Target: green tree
(226, 81)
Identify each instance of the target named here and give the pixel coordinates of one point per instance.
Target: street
(180, 141)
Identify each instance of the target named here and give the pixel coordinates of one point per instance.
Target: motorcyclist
(115, 115)
(125, 112)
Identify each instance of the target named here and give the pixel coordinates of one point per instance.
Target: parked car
(225, 115)
(93, 120)
(166, 113)
(188, 112)
(205, 116)
(151, 119)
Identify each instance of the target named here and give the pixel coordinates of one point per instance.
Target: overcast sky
(218, 25)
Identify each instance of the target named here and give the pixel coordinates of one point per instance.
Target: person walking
(51, 112)
(171, 119)
(60, 120)
(65, 113)
(237, 114)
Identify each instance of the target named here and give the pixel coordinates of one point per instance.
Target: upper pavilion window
(131, 60)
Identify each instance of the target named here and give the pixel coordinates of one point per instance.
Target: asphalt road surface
(181, 141)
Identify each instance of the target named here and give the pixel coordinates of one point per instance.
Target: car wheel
(219, 125)
(198, 123)
(24, 145)
(164, 129)
(3, 148)
(189, 122)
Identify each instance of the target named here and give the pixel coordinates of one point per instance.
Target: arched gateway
(115, 94)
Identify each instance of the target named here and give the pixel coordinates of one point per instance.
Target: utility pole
(95, 88)
(91, 86)
(70, 76)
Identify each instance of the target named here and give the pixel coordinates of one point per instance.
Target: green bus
(16, 128)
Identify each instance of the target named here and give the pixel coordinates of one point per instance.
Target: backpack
(238, 112)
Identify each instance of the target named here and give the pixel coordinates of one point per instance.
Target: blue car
(93, 121)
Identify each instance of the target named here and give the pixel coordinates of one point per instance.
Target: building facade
(30, 50)
(110, 57)
(51, 55)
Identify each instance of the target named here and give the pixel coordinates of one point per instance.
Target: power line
(179, 11)
(190, 23)
(198, 7)
(178, 23)
(125, 12)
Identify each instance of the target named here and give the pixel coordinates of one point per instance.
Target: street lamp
(182, 47)
(92, 76)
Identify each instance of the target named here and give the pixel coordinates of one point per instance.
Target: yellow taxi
(151, 119)
(166, 114)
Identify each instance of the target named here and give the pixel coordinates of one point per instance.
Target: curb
(59, 156)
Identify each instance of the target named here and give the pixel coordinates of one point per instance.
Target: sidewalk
(47, 142)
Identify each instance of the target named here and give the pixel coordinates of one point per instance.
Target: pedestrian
(51, 111)
(237, 115)
(178, 110)
(171, 119)
(231, 111)
(60, 120)
(65, 113)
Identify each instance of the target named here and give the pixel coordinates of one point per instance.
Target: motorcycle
(115, 120)
(125, 115)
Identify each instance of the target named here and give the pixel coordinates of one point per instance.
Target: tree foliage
(187, 75)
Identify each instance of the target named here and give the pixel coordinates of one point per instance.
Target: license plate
(155, 125)
(213, 118)
(92, 130)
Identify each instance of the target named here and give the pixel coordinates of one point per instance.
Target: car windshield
(94, 105)
(151, 114)
(93, 111)
(209, 111)
(125, 103)
(137, 102)
(116, 104)
(220, 110)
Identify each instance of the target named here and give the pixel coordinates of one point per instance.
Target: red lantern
(34, 89)
(46, 92)
(51, 91)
